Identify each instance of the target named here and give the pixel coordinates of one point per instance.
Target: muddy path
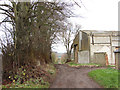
(69, 77)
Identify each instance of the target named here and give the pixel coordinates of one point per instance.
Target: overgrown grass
(108, 78)
(36, 82)
(87, 64)
(32, 83)
(50, 69)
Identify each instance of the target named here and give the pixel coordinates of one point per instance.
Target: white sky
(98, 15)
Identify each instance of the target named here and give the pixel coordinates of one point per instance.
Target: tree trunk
(68, 56)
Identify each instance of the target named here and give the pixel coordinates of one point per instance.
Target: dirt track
(68, 77)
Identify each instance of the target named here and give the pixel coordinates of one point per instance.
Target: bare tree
(33, 30)
(67, 36)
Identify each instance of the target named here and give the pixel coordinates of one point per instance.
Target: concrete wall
(83, 57)
(100, 58)
(83, 53)
(115, 41)
(102, 39)
(84, 42)
(101, 48)
(102, 44)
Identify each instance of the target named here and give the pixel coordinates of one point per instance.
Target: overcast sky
(97, 15)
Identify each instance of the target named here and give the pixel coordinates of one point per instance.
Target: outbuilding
(92, 46)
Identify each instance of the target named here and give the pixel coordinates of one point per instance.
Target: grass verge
(108, 78)
(87, 64)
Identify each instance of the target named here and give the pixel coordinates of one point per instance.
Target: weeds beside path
(36, 77)
(70, 77)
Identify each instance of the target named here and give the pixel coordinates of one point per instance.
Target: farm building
(99, 47)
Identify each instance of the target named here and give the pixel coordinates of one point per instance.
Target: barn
(92, 46)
